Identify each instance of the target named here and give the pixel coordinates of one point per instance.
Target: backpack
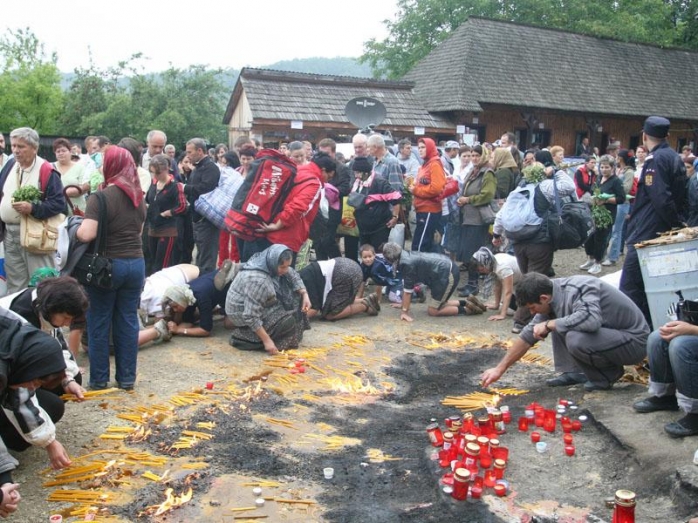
(569, 222)
(262, 195)
(518, 216)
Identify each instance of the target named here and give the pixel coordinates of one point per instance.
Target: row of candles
(471, 447)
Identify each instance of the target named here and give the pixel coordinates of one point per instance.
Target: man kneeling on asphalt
(673, 354)
(595, 330)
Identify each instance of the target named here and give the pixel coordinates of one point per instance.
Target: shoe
(164, 333)
(686, 426)
(595, 269)
(608, 263)
(517, 328)
(591, 386)
(376, 301)
(369, 302)
(587, 264)
(565, 379)
(655, 403)
(98, 386)
(126, 387)
(220, 279)
(394, 297)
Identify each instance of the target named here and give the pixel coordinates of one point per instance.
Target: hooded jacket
(430, 180)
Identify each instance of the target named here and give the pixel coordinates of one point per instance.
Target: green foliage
(534, 173)
(599, 213)
(422, 24)
(122, 101)
(28, 193)
(29, 83)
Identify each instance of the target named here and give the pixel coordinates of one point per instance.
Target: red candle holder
(209, 385)
(489, 479)
(501, 453)
(567, 427)
(523, 424)
(485, 460)
(576, 425)
(549, 425)
(539, 421)
(567, 438)
(569, 450)
(476, 492)
(500, 490)
(535, 437)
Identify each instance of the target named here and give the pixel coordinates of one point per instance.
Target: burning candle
(535, 436)
(489, 481)
(476, 492)
(569, 450)
(523, 424)
(485, 460)
(576, 425)
(501, 453)
(567, 438)
(500, 490)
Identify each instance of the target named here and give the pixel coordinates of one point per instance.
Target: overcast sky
(217, 33)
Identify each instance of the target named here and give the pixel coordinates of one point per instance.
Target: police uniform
(659, 206)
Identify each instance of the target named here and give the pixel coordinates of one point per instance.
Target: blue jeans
(617, 235)
(116, 310)
(674, 369)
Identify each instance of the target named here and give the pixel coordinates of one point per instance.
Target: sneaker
(565, 379)
(587, 264)
(608, 263)
(394, 297)
(164, 333)
(220, 279)
(517, 328)
(595, 269)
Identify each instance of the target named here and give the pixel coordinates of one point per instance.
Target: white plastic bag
(397, 234)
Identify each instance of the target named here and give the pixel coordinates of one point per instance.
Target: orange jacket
(430, 180)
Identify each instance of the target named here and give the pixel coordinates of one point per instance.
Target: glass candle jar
(624, 510)
(569, 450)
(461, 477)
(567, 438)
(523, 424)
(499, 466)
(435, 435)
(535, 437)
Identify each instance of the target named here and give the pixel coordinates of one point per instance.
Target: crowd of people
(156, 213)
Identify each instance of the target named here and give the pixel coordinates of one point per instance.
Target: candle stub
(257, 491)
(259, 502)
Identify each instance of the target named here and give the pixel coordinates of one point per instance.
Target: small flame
(353, 385)
(173, 501)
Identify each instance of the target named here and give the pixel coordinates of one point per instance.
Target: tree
(123, 101)
(29, 83)
(422, 24)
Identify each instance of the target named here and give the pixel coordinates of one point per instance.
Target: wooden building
(280, 106)
(553, 87)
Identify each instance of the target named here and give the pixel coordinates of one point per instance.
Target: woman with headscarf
(31, 362)
(332, 287)
(502, 274)
(506, 172)
(266, 303)
(478, 191)
(427, 187)
(116, 308)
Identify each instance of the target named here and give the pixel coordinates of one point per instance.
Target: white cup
(328, 472)
(541, 447)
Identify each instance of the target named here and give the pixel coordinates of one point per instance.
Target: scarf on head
(180, 294)
(483, 256)
(267, 262)
(120, 170)
(503, 159)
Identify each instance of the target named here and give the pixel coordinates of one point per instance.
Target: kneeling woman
(266, 303)
(30, 362)
(333, 285)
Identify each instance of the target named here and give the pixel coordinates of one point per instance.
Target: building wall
(564, 127)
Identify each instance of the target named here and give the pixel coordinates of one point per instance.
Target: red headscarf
(120, 170)
(432, 151)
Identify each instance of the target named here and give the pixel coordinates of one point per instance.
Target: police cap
(656, 126)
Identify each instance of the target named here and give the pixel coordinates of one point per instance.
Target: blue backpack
(518, 216)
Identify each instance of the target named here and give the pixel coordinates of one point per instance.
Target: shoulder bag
(40, 236)
(94, 269)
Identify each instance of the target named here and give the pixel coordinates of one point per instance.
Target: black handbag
(686, 310)
(94, 269)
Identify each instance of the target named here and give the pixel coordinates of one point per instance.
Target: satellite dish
(365, 111)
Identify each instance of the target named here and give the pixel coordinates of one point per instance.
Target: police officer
(659, 204)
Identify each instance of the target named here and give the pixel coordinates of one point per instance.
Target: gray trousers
(20, 264)
(599, 355)
(206, 237)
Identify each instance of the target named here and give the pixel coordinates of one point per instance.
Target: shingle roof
(282, 95)
(496, 62)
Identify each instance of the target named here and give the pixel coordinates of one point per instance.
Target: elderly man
(155, 140)
(596, 330)
(28, 169)
(203, 179)
(386, 166)
(170, 150)
(451, 150)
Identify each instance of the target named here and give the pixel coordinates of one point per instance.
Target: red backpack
(262, 195)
